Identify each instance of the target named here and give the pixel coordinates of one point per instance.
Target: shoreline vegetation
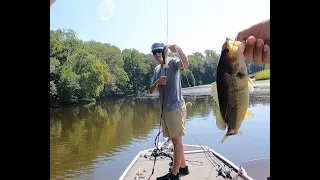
(83, 72)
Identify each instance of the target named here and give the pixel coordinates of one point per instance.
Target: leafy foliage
(84, 71)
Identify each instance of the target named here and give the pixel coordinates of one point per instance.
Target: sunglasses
(156, 51)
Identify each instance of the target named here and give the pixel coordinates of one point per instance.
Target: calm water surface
(98, 141)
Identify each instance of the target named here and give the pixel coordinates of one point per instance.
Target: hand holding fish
(257, 37)
(162, 80)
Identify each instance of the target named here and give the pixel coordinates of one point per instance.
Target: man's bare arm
(183, 63)
(154, 87)
(162, 80)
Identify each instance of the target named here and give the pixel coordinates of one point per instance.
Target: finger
(266, 54)
(248, 51)
(164, 77)
(251, 31)
(163, 80)
(257, 53)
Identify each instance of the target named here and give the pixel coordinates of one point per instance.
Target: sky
(194, 25)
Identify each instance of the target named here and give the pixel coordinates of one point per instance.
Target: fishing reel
(162, 150)
(220, 172)
(223, 173)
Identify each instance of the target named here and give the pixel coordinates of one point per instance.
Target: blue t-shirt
(172, 92)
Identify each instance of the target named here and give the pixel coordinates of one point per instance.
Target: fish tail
(228, 135)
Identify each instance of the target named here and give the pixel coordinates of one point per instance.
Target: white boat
(203, 163)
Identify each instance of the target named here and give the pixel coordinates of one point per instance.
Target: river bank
(261, 87)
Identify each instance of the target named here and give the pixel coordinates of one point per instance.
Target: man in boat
(166, 78)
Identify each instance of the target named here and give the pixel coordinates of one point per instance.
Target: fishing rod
(159, 152)
(164, 58)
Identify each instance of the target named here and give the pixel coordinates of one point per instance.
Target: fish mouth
(232, 55)
(232, 47)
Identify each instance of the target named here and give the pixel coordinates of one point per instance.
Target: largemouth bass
(230, 92)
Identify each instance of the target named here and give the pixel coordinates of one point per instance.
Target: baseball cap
(157, 45)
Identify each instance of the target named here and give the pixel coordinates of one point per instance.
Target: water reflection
(84, 135)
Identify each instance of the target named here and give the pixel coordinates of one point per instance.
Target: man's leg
(176, 121)
(183, 120)
(178, 154)
(183, 160)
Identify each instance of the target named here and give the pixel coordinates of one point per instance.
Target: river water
(98, 141)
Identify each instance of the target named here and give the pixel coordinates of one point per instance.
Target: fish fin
(250, 85)
(214, 93)
(224, 138)
(219, 119)
(249, 114)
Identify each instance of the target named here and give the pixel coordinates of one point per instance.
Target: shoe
(169, 176)
(184, 171)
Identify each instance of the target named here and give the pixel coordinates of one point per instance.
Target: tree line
(83, 71)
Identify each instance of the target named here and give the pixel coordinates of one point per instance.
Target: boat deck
(202, 162)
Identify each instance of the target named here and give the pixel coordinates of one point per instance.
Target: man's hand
(172, 48)
(257, 42)
(162, 80)
(184, 62)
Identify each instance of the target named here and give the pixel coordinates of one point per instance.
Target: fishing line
(177, 52)
(254, 160)
(139, 173)
(164, 56)
(161, 113)
(242, 171)
(215, 163)
(210, 173)
(167, 22)
(164, 26)
(167, 37)
(210, 158)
